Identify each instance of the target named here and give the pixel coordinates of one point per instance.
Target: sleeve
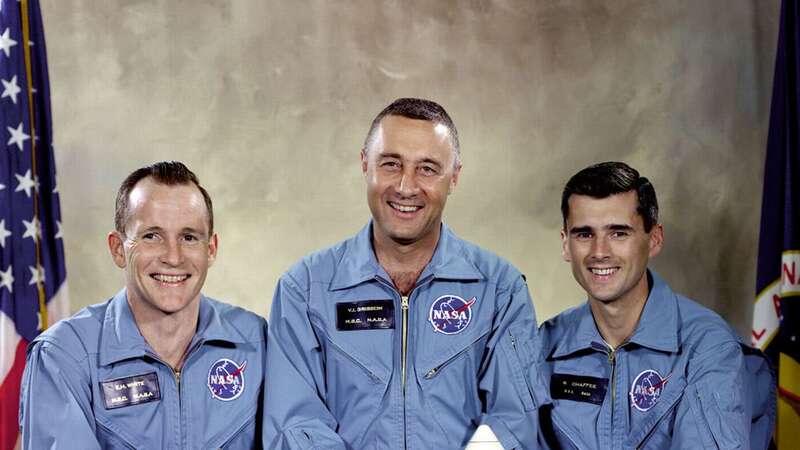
(715, 411)
(296, 416)
(511, 383)
(55, 401)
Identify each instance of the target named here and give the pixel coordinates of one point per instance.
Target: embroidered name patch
(450, 314)
(365, 315)
(578, 388)
(646, 389)
(226, 379)
(129, 391)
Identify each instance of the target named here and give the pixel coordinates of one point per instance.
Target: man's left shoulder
(492, 266)
(703, 328)
(248, 323)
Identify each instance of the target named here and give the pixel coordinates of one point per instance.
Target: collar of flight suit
(657, 328)
(120, 337)
(359, 264)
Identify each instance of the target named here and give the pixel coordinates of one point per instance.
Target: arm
(510, 379)
(715, 411)
(55, 401)
(296, 416)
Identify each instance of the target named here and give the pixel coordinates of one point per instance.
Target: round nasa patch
(226, 379)
(646, 389)
(450, 314)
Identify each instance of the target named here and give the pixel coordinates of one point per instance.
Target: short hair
(419, 109)
(170, 173)
(610, 178)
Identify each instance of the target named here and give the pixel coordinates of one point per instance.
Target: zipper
(404, 306)
(612, 359)
(435, 371)
(403, 357)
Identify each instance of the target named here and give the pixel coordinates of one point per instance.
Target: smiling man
(404, 336)
(159, 365)
(639, 366)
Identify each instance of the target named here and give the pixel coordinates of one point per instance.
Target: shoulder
(554, 329)
(702, 329)
(319, 265)
(247, 323)
(493, 267)
(77, 336)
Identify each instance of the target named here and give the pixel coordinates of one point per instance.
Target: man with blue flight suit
(639, 366)
(159, 365)
(404, 336)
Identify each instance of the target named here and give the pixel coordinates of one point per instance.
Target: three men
(159, 365)
(404, 336)
(639, 366)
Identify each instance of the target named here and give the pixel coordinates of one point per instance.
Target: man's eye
(149, 236)
(583, 235)
(191, 238)
(428, 170)
(619, 234)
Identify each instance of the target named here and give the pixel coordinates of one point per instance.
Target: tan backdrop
(269, 101)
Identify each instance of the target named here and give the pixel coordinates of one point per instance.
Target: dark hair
(165, 172)
(611, 178)
(420, 109)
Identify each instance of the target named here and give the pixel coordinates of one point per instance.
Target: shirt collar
(657, 328)
(121, 339)
(359, 264)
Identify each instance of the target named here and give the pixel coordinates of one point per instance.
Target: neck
(404, 262)
(169, 335)
(617, 320)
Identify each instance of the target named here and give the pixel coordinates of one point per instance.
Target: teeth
(170, 278)
(606, 271)
(403, 208)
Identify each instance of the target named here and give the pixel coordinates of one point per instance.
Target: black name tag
(130, 390)
(366, 315)
(578, 388)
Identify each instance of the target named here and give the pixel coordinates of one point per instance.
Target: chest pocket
(653, 430)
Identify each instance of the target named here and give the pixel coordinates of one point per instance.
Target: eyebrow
(611, 227)
(422, 161)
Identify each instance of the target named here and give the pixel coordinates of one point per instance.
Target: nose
(408, 185)
(171, 252)
(600, 249)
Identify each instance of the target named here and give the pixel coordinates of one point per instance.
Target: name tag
(578, 388)
(366, 315)
(130, 391)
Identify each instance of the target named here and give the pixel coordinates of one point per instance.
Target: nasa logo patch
(450, 314)
(226, 379)
(646, 389)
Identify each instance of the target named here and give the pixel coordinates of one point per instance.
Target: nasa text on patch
(578, 388)
(131, 390)
(365, 315)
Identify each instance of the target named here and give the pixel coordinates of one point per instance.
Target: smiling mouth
(603, 271)
(404, 208)
(169, 279)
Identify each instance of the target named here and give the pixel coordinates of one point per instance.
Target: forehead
(154, 203)
(401, 135)
(618, 209)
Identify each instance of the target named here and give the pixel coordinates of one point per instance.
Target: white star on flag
(58, 235)
(2, 186)
(6, 42)
(18, 136)
(26, 183)
(11, 89)
(32, 229)
(37, 274)
(4, 233)
(7, 279)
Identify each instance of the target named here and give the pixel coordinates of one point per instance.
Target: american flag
(33, 291)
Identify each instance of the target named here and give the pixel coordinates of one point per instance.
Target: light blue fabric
(62, 405)
(709, 396)
(332, 389)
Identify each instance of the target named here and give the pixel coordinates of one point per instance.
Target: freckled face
(166, 250)
(410, 169)
(607, 247)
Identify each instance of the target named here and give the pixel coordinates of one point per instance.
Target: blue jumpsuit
(91, 381)
(352, 364)
(683, 380)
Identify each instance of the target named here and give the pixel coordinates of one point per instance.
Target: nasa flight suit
(352, 364)
(91, 382)
(683, 380)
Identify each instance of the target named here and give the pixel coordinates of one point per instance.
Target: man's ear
(565, 247)
(656, 239)
(116, 245)
(454, 179)
(212, 249)
(364, 161)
